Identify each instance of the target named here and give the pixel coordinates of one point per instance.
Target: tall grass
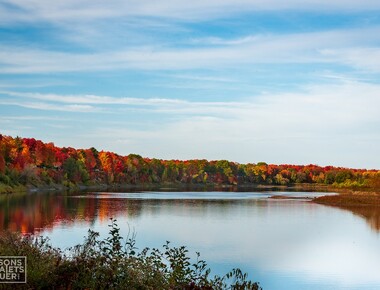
(115, 263)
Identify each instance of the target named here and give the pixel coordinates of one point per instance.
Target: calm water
(282, 243)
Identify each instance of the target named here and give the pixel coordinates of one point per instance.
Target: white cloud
(345, 101)
(85, 10)
(31, 118)
(204, 78)
(360, 57)
(335, 47)
(325, 124)
(51, 107)
(40, 83)
(283, 127)
(93, 99)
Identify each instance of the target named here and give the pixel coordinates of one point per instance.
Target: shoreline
(348, 199)
(6, 189)
(345, 197)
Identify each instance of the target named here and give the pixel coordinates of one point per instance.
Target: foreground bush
(114, 263)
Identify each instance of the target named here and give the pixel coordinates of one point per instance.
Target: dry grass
(351, 199)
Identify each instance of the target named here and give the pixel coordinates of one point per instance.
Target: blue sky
(248, 81)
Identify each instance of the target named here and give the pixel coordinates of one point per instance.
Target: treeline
(26, 161)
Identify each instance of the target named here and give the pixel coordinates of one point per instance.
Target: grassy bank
(114, 263)
(348, 198)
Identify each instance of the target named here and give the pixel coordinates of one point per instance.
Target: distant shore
(343, 198)
(165, 186)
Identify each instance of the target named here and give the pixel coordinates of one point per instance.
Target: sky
(284, 82)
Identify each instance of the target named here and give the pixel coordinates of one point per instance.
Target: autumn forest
(33, 163)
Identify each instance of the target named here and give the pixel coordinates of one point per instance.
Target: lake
(281, 243)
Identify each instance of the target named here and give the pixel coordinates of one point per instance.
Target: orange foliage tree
(23, 160)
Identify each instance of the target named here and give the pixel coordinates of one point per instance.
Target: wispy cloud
(51, 107)
(343, 101)
(289, 127)
(31, 118)
(339, 46)
(93, 99)
(40, 83)
(204, 78)
(91, 103)
(85, 10)
(172, 60)
(360, 57)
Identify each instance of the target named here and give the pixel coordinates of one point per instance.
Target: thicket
(115, 263)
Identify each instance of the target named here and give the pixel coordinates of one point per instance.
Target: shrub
(114, 263)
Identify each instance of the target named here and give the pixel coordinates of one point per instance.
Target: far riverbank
(345, 198)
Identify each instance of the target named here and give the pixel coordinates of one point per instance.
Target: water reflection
(34, 212)
(284, 244)
(370, 213)
(30, 213)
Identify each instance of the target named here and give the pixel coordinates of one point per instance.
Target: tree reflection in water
(370, 213)
(34, 212)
